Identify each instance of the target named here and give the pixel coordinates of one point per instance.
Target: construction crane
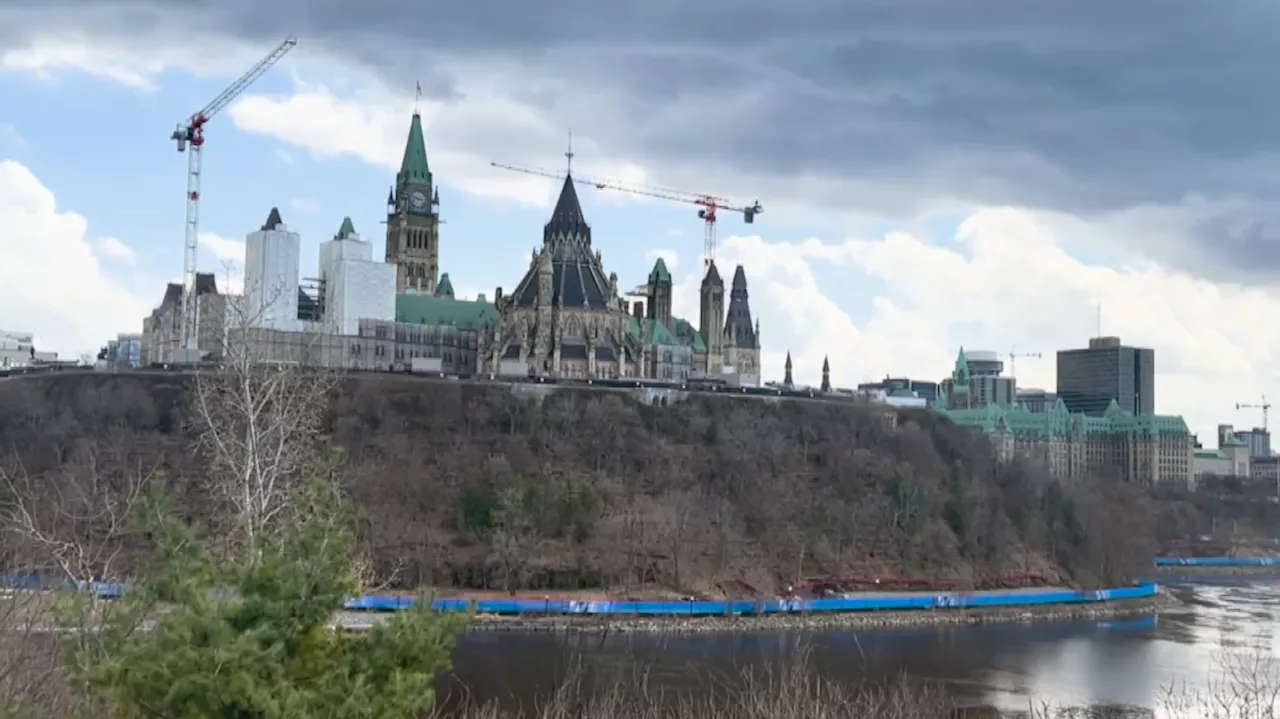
(191, 133)
(708, 205)
(1265, 406)
(1014, 354)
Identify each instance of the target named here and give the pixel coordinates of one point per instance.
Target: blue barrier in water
(890, 602)
(1218, 561)
(951, 600)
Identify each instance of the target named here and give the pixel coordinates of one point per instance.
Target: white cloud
(1005, 282)
(127, 63)
(303, 204)
(68, 303)
(113, 249)
(670, 257)
(223, 249)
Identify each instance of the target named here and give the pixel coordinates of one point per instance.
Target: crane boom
(1014, 354)
(709, 204)
(1265, 406)
(191, 133)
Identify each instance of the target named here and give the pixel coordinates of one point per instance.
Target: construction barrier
(1218, 561)
(913, 602)
(698, 608)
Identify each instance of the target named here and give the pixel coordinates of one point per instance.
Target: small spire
(568, 155)
(786, 379)
(273, 219)
(347, 230)
(826, 374)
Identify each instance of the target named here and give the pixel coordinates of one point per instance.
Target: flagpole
(417, 97)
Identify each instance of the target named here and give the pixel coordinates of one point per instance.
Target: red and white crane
(191, 133)
(708, 205)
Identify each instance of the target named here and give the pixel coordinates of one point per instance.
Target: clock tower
(413, 218)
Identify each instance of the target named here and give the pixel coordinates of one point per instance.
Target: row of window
(417, 272)
(419, 240)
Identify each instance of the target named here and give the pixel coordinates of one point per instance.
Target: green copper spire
(660, 273)
(413, 168)
(347, 230)
(445, 288)
(961, 373)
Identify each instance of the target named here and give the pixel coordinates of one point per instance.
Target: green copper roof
(659, 273)
(1209, 454)
(413, 168)
(1059, 423)
(1232, 441)
(445, 288)
(423, 309)
(679, 333)
(347, 230)
(961, 372)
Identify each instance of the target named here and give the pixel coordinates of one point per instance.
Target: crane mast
(708, 205)
(191, 134)
(1014, 354)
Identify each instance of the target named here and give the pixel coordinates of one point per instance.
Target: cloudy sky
(933, 173)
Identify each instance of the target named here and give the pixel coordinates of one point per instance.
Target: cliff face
(473, 485)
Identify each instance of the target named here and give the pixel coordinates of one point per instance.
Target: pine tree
(204, 637)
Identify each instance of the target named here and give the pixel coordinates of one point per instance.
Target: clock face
(417, 200)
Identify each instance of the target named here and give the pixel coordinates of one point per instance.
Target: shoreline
(560, 624)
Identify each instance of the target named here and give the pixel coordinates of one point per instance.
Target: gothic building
(740, 339)
(413, 218)
(566, 317)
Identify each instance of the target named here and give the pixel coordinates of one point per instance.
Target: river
(1120, 663)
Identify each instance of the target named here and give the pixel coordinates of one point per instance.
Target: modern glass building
(1089, 379)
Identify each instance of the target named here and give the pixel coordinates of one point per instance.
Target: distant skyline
(933, 176)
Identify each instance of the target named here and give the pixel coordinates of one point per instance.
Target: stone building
(1230, 459)
(413, 218)
(438, 326)
(740, 338)
(162, 329)
(670, 346)
(567, 318)
(1143, 449)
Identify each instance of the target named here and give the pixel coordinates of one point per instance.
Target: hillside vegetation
(470, 485)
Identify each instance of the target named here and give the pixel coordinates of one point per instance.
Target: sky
(998, 175)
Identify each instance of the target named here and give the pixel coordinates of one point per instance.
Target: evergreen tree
(202, 637)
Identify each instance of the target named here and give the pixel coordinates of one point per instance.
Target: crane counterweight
(190, 135)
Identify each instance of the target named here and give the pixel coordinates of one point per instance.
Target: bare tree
(259, 417)
(74, 520)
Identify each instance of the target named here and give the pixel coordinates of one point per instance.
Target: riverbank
(588, 624)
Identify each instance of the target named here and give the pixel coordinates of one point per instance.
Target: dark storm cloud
(1084, 106)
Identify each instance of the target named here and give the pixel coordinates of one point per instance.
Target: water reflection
(1127, 663)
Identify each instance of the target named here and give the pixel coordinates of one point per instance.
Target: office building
(1090, 379)
(1036, 400)
(978, 372)
(927, 391)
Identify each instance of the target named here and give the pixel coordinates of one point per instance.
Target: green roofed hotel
(1146, 449)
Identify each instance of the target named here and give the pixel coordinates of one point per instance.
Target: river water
(1119, 663)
